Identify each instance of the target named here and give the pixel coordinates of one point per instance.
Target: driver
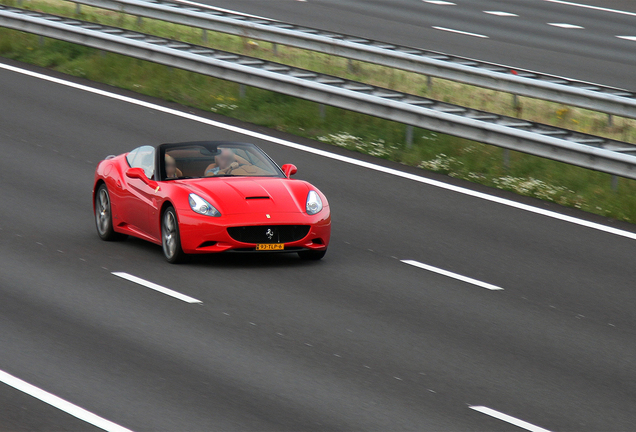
(225, 162)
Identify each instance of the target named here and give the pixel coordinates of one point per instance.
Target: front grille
(268, 233)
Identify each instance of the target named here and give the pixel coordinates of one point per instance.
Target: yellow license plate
(270, 246)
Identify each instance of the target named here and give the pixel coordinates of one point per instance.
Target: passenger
(171, 167)
(225, 162)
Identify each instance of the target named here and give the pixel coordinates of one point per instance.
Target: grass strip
(524, 174)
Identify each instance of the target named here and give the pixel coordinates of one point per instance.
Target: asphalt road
(528, 39)
(358, 341)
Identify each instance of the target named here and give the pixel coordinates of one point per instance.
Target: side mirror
(136, 173)
(139, 173)
(289, 170)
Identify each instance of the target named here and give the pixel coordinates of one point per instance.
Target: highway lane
(524, 39)
(357, 341)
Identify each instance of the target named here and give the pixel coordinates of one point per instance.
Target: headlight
(314, 203)
(201, 206)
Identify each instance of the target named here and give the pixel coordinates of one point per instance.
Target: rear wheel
(170, 238)
(104, 215)
(312, 255)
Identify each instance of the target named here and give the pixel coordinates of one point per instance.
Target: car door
(138, 201)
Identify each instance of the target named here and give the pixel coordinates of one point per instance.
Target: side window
(144, 158)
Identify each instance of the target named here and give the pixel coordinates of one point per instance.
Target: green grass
(527, 175)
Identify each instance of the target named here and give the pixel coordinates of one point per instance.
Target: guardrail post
(139, 21)
(41, 40)
(506, 159)
(409, 136)
(241, 91)
(610, 120)
(275, 49)
(78, 9)
(516, 105)
(615, 183)
(204, 36)
(429, 82)
(322, 111)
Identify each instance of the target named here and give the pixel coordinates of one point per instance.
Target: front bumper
(204, 234)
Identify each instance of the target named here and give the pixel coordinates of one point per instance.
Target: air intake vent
(257, 197)
(268, 233)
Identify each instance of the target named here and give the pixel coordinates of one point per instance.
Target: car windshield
(143, 157)
(197, 160)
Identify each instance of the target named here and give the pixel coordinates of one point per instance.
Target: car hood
(241, 195)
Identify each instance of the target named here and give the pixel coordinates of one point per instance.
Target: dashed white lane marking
(629, 38)
(460, 32)
(440, 2)
(508, 419)
(501, 13)
(159, 288)
(452, 275)
(566, 25)
(326, 154)
(60, 403)
(598, 8)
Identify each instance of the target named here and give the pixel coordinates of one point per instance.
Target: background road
(525, 39)
(358, 341)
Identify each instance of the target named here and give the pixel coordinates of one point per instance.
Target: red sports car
(208, 197)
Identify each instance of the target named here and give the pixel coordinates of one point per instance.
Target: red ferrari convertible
(208, 197)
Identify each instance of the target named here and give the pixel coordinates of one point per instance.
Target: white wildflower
(441, 163)
(344, 139)
(529, 186)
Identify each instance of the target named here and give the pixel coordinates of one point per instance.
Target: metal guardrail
(521, 82)
(614, 157)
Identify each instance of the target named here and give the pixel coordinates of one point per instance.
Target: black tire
(104, 216)
(312, 255)
(170, 238)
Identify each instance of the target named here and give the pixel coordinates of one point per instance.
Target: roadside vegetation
(526, 175)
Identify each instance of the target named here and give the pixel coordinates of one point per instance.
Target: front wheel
(312, 255)
(104, 215)
(170, 238)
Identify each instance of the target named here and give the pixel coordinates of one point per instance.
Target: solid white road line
(60, 403)
(509, 419)
(566, 25)
(154, 286)
(460, 32)
(205, 6)
(440, 2)
(629, 38)
(501, 13)
(598, 8)
(452, 275)
(340, 158)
